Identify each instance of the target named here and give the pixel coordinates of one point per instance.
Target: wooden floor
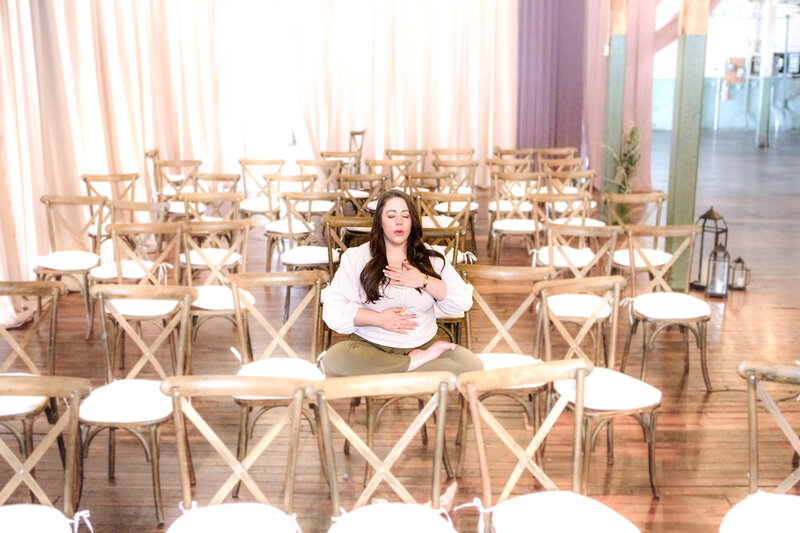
(701, 438)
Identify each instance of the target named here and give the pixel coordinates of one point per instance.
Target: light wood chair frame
(650, 203)
(122, 187)
(350, 161)
(601, 240)
(217, 182)
(187, 167)
(372, 184)
(336, 231)
(329, 170)
(544, 155)
(395, 170)
(428, 181)
(513, 190)
(219, 205)
(415, 157)
(253, 171)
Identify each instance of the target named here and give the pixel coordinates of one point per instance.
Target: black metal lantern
(718, 262)
(739, 276)
(714, 233)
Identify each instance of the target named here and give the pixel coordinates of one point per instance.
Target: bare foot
(420, 357)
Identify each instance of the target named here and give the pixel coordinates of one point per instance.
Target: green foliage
(626, 161)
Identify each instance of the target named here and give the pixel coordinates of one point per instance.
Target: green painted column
(688, 107)
(767, 22)
(764, 102)
(612, 119)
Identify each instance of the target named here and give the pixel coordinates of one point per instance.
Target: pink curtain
(594, 90)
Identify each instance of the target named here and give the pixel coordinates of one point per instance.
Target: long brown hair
(417, 254)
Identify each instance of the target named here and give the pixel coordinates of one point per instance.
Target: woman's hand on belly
(394, 319)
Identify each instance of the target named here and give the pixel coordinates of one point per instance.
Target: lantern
(718, 262)
(739, 277)
(714, 233)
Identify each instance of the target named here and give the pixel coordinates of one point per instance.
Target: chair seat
(609, 390)
(258, 204)
(130, 270)
(68, 260)
(214, 256)
(29, 517)
(522, 225)
(308, 255)
(578, 221)
(299, 227)
(357, 193)
(557, 511)
(506, 206)
(127, 401)
(763, 511)
(280, 367)
(454, 207)
(20, 405)
(655, 257)
(670, 306)
(392, 518)
(577, 305)
(234, 517)
(92, 230)
(317, 206)
(493, 361)
(179, 208)
(145, 308)
(218, 298)
(448, 254)
(438, 221)
(579, 257)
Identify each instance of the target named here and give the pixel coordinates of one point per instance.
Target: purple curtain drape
(551, 67)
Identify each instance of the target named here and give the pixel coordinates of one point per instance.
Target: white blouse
(345, 296)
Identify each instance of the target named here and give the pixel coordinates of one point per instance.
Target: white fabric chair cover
(514, 224)
(577, 305)
(392, 518)
(144, 308)
(126, 401)
(235, 517)
(655, 257)
(763, 511)
(609, 390)
(68, 260)
(580, 257)
(670, 306)
(33, 518)
(218, 298)
(18, 405)
(492, 361)
(214, 255)
(308, 255)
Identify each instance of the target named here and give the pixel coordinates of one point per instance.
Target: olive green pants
(357, 357)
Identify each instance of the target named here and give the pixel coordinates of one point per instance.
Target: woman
(383, 296)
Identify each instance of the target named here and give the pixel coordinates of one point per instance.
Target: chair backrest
(69, 219)
(395, 170)
(454, 153)
(280, 336)
(20, 356)
(215, 183)
(510, 164)
(434, 385)
(349, 161)
(599, 241)
(218, 248)
(678, 240)
(757, 374)
(174, 177)
(212, 205)
(447, 241)
(175, 303)
(301, 207)
(511, 193)
(463, 171)
(543, 155)
(473, 385)
(191, 394)
(326, 170)
(429, 181)
(457, 209)
(514, 153)
(154, 249)
(608, 288)
(560, 164)
(135, 212)
(335, 229)
(416, 157)
(639, 208)
(69, 392)
(570, 181)
(111, 186)
(360, 189)
(253, 172)
(492, 282)
(150, 159)
(567, 209)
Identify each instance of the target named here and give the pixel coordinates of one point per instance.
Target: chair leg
(587, 452)
(463, 425)
(627, 349)
(424, 429)
(241, 447)
(702, 333)
(651, 454)
(353, 404)
(287, 302)
(646, 329)
(112, 452)
(610, 442)
(27, 442)
(155, 433)
(87, 305)
(370, 403)
(685, 331)
(321, 444)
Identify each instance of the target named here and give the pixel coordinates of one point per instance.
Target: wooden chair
(212, 206)
(453, 153)
(439, 210)
(304, 248)
(448, 241)
(428, 181)
(497, 291)
(173, 178)
(415, 157)
(191, 396)
(349, 162)
(277, 229)
(402, 516)
(357, 145)
(511, 210)
(660, 305)
(44, 515)
(137, 212)
(336, 230)
(72, 254)
(545, 155)
(514, 153)
(550, 509)
(361, 191)
(579, 251)
(259, 199)
(766, 511)
(635, 208)
(113, 187)
(608, 393)
(133, 403)
(326, 171)
(206, 183)
(510, 165)
(395, 170)
(463, 172)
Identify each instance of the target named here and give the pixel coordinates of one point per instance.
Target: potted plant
(627, 160)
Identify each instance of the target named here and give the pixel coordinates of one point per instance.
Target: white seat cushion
(127, 401)
(579, 257)
(492, 361)
(763, 511)
(33, 518)
(218, 298)
(234, 517)
(308, 255)
(609, 390)
(506, 206)
(655, 257)
(18, 405)
(130, 270)
(578, 221)
(670, 306)
(214, 256)
(371, 206)
(144, 308)
(392, 518)
(447, 316)
(441, 221)
(577, 305)
(357, 193)
(282, 226)
(317, 206)
(179, 208)
(555, 510)
(454, 207)
(280, 367)
(258, 204)
(448, 254)
(68, 260)
(522, 225)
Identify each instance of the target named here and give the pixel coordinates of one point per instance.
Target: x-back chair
(361, 191)
(259, 198)
(113, 187)
(415, 157)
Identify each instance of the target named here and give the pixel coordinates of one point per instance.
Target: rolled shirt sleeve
(458, 298)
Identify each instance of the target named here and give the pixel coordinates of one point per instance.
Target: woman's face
(395, 221)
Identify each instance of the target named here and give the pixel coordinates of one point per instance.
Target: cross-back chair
(357, 145)
(340, 233)
(509, 164)
(442, 210)
(326, 170)
(664, 300)
(43, 515)
(579, 251)
(135, 402)
(361, 191)
(415, 157)
(448, 241)
(562, 209)
(453, 153)
(560, 164)
(635, 208)
(608, 393)
(463, 171)
(277, 229)
(349, 162)
(205, 183)
(395, 170)
(137, 212)
(212, 206)
(762, 510)
(196, 402)
(514, 153)
(408, 515)
(114, 187)
(511, 210)
(550, 509)
(545, 155)
(259, 198)
(71, 250)
(428, 181)
(173, 178)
